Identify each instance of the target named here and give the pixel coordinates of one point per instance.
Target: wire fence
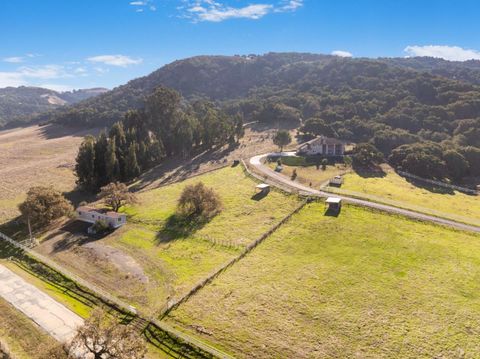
(399, 204)
(119, 304)
(234, 260)
(438, 183)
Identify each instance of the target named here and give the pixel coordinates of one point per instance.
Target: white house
(92, 215)
(322, 146)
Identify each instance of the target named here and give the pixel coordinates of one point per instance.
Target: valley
(268, 272)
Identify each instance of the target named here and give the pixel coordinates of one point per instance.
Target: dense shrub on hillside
(365, 155)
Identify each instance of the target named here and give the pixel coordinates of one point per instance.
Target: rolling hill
(20, 104)
(300, 83)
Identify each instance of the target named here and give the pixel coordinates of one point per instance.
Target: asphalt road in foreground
(60, 322)
(256, 161)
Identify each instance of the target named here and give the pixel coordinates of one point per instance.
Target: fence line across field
(399, 204)
(438, 183)
(119, 303)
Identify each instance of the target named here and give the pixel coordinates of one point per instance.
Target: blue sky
(65, 44)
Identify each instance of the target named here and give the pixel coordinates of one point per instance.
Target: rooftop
(324, 141)
(333, 200)
(99, 210)
(263, 186)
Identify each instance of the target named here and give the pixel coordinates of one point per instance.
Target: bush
(100, 227)
(44, 205)
(366, 154)
(199, 202)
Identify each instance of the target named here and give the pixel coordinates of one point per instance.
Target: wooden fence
(207, 350)
(231, 262)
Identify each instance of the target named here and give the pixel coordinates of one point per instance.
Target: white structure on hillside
(322, 146)
(334, 204)
(92, 215)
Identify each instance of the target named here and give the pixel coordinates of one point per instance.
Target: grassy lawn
(438, 201)
(364, 284)
(174, 263)
(310, 174)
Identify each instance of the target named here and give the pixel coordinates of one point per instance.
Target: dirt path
(70, 242)
(256, 161)
(53, 317)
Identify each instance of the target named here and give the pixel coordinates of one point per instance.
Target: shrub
(199, 202)
(100, 226)
(366, 154)
(44, 205)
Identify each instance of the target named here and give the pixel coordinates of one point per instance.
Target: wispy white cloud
(14, 59)
(289, 5)
(19, 59)
(23, 76)
(44, 72)
(215, 11)
(13, 79)
(115, 60)
(141, 5)
(451, 53)
(342, 53)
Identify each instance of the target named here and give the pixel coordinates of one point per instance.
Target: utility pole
(29, 229)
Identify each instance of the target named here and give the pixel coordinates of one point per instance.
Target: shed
(263, 188)
(336, 181)
(334, 204)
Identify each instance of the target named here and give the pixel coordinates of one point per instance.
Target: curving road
(256, 161)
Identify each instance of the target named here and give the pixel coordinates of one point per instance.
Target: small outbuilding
(334, 204)
(336, 181)
(262, 188)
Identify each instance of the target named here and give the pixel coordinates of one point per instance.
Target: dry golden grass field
(35, 156)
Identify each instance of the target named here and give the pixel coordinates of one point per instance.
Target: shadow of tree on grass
(374, 171)
(179, 227)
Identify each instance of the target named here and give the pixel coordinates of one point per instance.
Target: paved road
(50, 315)
(256, 161)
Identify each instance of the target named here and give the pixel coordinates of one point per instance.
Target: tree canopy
(44, 205)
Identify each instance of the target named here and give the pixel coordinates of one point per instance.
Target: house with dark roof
(93, 215)
(322, 145)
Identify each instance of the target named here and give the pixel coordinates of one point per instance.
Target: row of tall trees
(166, 126)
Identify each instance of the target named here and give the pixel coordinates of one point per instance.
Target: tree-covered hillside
(388, 102)
(19, 105)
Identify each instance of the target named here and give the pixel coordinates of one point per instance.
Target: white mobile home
(92, 215)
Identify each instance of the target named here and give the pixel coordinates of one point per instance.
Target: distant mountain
(20, 104)
(227, 79)
(431, 106)
(467, 71)
(216, 78)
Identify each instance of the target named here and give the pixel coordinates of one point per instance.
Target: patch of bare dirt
(123, 262)
(107, 267)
